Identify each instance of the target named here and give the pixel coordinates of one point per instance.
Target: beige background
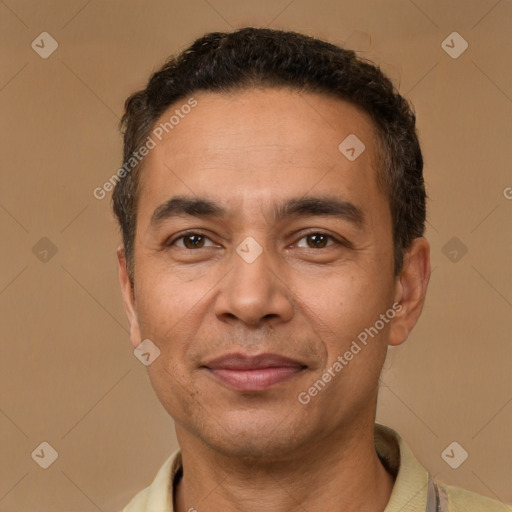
(67, 372)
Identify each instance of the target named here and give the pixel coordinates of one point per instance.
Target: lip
(253, 373)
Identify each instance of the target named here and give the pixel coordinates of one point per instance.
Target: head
(278, 208)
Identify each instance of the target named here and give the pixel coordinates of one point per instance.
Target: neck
(341, 472)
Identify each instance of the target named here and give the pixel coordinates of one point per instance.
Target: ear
(410, 290)
(128, 297)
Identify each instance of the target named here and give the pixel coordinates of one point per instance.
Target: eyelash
(172, 242)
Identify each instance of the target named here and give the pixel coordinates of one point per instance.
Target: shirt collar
(409, 491)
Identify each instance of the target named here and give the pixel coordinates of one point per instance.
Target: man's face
(268, 273)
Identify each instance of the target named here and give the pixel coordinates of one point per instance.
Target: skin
(305, 298)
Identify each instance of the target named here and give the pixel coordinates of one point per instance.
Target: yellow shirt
(412, 491)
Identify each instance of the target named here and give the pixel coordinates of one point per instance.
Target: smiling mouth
(257, 373)
(254, 380)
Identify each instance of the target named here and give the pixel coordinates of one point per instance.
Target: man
(272, 208)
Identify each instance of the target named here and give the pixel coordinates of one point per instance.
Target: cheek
(175, 394)
(344, 299)
(344, 305)
(166, 308)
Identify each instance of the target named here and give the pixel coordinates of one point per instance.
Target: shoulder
(461, 500)
(158, 497)
(139, 502)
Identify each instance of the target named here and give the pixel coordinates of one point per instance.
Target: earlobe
(127, 292)
(410, 290)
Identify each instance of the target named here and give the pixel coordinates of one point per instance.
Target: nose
(254, 293)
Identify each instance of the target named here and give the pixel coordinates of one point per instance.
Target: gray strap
(443, 498)
(431, 496)
(437, 500)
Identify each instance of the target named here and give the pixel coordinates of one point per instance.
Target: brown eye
(190, 241)
(193, 241)
(316, 240)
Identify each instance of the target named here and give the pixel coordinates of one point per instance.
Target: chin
(245, 446)
(261, 438)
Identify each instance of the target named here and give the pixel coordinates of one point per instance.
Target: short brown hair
(252, 57)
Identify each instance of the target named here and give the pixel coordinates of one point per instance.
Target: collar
(409, 492)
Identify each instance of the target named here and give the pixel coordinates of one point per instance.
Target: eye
(317, 240)
(194, 240)
(190, 241)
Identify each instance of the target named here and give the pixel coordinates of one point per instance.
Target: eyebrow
(295, 207)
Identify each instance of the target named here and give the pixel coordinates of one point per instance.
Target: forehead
(259, 145)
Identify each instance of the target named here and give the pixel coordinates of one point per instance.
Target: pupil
(194, 240)
(317, 238)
